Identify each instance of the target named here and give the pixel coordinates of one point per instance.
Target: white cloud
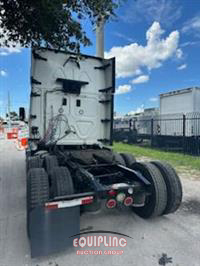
(153, 99)
(179, 53)
(182, 67)
(165, 11)
(3, 73)
(3, 53)
(138, 110)
(130, 59)
(190, 43)
(123, 36)
(122, 89)
(10, 50)
(140, 79)
(192, 26)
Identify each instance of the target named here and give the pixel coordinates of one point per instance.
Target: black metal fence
(178, 132)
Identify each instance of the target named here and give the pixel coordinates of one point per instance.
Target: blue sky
(156, 44)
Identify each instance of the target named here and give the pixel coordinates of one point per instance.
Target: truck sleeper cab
(70, 168)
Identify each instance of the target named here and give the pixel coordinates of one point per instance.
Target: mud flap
(50, 230)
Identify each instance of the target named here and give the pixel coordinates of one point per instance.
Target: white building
(180, 101)
(173, 106)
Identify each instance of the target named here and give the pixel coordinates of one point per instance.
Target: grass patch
(176, 159)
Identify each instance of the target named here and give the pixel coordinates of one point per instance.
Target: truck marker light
(51, 206)
(111, 203)
(128, 201)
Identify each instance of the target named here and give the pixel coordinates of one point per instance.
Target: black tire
(62, 183)
(174, 187)
(37, 190)
(34, 162)
(129, 159)
(50, 162)
(155, 203)
(39, 187)
(118, 159)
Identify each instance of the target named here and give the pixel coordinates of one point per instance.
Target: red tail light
(111, 203)
(87, 200)
(128, 201)
(51, 206)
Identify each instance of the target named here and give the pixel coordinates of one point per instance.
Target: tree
(13, 116)
(50, 23)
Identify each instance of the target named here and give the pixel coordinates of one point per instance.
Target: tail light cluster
(128, 201)
(120, 197)
(111, 203)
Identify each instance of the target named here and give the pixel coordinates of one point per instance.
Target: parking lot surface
(167, 240)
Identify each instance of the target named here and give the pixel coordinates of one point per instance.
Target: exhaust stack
(100, 38)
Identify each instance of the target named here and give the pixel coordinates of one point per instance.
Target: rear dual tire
(61, 182)
(173, 184)
(165, 192)
(156, 201)
(50, 162)
(34, 162)
(129, 159)
(37, 190)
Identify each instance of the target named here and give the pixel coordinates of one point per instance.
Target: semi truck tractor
(71, 167)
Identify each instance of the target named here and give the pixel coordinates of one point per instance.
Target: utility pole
(9, 122)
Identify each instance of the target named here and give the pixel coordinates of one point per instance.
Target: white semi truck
(70, 165)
